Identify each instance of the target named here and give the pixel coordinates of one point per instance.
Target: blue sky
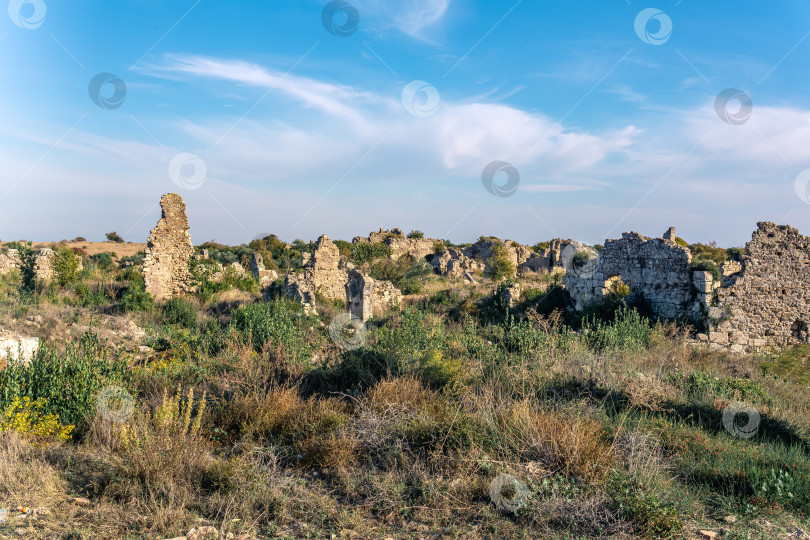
(264, 121)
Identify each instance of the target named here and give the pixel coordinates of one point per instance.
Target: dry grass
(572, 445)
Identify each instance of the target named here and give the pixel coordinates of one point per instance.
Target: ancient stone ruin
(767, 300)
(263, 275)
(43, 263)
(9, 261)
(763, 300)
(367, 296)
(325, 274)
(168, 251)
(322, 275)
(657, 268)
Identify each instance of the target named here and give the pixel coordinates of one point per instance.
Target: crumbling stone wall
(417, 248)
(9, 261)
(325, 274)
(43, 267)
(455, 264)
(367, 297)
(168, 250)
(322, 274)
(768, 300)
(379, 236)
(656, 267)
(265, 276)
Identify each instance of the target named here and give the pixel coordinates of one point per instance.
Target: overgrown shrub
(136, 299)
(628, 331)
(65, 266)
(104, 261)
(708, 266)
(68, 382)
(180, 311)
(278, 324)
(416, 233)
(365, 252)
(405, 273)
(500, 267)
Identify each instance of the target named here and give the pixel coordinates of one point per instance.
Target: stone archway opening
(799, 331)
(614, 286)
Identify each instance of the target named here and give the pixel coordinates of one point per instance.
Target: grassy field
(454, 418)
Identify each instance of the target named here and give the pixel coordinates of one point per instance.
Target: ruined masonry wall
(768, 301)
(656, 267)
(165, 267)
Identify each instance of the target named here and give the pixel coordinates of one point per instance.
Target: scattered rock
(203, 533)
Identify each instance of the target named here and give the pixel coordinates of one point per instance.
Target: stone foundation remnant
(43, 263)
(168, 251)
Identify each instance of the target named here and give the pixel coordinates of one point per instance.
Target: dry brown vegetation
(250, 419)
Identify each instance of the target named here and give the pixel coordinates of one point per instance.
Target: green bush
(69, 382)
(65, 266)
(369, 251)
(179, 311)
(700, 384)
(500, 267)
(132, 260)
(405, 274)
(104, 261)
(709, 252)
(708, 266)
(88, 296)
(136, 299)
(279, 324)
(628, 331)
(416, 233)
(28, 281)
